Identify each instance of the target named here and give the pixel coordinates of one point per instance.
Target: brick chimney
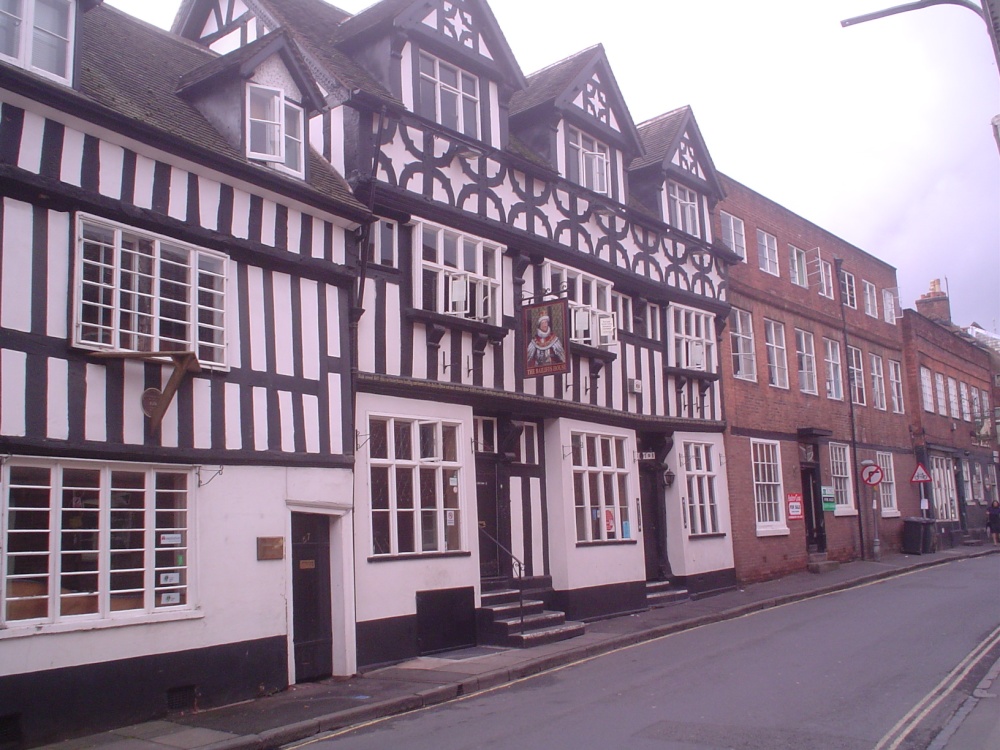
(935, 304)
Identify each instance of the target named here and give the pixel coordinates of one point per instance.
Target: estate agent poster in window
(545, 336)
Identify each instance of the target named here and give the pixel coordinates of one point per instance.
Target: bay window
(85, 541)
(592, 320)
(460, 275)
(693, 336)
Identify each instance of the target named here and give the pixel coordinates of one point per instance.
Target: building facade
(951, 378)
(814, 384)
(175, 376)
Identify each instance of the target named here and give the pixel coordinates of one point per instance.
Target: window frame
(939, 391)
(848, 290)
(742, 344)
(768, 488)
(448, 472)
(870, 293)
(777, 368)
(459, 292)
(767, 253)
(825, 279)
(841, 475)
(877, 370)
(463, 98)
(927, 389)
(834, 369)
(588, 161)
(101, 510)
(888, 505)
(731, 238)
(598, 458)
(127, 304)
(856, 375)
(798, 270)
(382, 230)
(577, 287)
(700, 480)
(683, 208)
(805, 358)
(25, 33)
(692, 337)
(953, 407)
(963, 400)
(896, 386)
(889, 306)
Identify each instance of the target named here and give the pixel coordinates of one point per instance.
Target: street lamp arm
(914, 6)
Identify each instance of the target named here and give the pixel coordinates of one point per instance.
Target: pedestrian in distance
(993, 521)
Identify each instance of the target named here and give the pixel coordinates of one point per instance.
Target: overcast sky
(879, 133)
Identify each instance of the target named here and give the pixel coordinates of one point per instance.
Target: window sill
(686, 373)
(845, 512)
(418, 556)
(84, 623)
(713, 535)
(496, 333)
(608, 543)
(891, 514)
(774, 532)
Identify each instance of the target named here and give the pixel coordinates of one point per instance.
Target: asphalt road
(883, 666)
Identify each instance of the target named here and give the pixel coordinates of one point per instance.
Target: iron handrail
(517, 567)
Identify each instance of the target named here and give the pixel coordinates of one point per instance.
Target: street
(883, 666)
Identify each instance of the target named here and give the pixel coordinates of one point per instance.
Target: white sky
(879, 133)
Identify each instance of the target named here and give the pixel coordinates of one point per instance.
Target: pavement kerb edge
(451, 691)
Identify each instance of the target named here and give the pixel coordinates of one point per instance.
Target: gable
(687, 156)
(595, 100)
(467, 27)
(594, 97)
(673, 143)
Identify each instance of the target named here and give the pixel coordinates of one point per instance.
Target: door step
(517, 615)
(819, 564)
(662, 593)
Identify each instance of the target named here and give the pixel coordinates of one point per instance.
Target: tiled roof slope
(139, 81)
(369, 18)
(547, 83)
(658, 136)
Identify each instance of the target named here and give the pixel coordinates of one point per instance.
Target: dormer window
(682, 205)
(275, 129)
(449, 96)
(38, 35)
(586, 161)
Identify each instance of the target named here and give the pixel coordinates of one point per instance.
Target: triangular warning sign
(920, 474)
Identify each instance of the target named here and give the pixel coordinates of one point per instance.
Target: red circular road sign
(871, 475)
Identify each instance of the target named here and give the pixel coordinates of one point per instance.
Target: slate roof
(139, 81)
(369, 18)
(659, 135)
(546, 84)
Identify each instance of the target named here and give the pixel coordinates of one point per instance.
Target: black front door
(312, 618)
(654, 528)
(494, 522)
(812, 500)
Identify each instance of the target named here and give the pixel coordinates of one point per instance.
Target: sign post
(871, 474)
(921, 477)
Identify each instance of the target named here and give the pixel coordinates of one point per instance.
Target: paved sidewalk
(306, 710)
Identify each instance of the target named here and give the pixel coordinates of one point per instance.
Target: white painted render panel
(59, 260)
(406, 75)
(260, 435)
(57, 399)
(209, 197)
(335, 395)
(72, 157)
(309, 308)
(293, 235)
(285, 414)
(110, 175)
(32, 133)
(537, 525)
(317, 238)
(169, 427)
(367, 332)
(13, 378)
(284, 352)
(95, 423)
(134, 428)
(332, 321)
(269, 218)
(144, 168)
(516, 518)
(15, 260)
(310, 410)
(201, 391)
(234, 424)
(241, 214)
(230, 42)
(255, 314)
(393, 311)
(177, 202)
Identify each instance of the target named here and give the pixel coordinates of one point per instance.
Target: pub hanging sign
(545, 327)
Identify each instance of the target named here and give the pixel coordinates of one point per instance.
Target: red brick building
(813, 383)
(950, 377)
